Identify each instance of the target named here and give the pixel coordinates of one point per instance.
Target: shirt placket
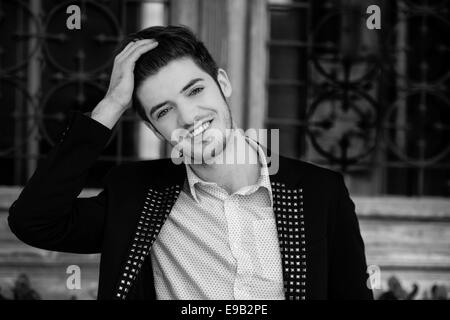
(237, 237)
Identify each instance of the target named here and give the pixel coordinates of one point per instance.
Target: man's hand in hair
(121, 85)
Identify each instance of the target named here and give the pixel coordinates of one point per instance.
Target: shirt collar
(263, 179)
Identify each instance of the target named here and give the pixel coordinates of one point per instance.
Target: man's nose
(186, 115)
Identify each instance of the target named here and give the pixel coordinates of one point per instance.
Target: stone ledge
(382, 207)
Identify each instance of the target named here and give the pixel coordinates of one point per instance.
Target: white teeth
(201, 128)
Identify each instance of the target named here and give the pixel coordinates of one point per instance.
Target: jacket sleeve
(48, 213)
(348, 269)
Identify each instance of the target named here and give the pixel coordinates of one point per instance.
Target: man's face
(184, 102)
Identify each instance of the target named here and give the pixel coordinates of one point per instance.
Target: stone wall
(406, 237)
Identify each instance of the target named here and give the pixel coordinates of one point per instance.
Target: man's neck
(232, 175)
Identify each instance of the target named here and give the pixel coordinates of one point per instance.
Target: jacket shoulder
(295, 169)
(158, 172)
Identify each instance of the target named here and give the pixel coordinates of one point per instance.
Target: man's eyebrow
(190, 84)
(154, 108)
(159, 105)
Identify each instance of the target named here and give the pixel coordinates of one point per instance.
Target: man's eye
(195, 91)
(162, 113)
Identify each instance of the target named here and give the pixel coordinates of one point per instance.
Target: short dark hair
(174, 42)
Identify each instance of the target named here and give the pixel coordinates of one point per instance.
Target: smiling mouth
(200, 128)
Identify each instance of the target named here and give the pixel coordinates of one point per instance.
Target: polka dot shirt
(214, 245)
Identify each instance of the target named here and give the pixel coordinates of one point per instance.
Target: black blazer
(321, 247)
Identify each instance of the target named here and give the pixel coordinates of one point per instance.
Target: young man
(204, 229)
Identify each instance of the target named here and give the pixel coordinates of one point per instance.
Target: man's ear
(224, 82)
(152, 128)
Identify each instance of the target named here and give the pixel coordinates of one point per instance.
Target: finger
(125, 49)
(138, 51)
(136, 44)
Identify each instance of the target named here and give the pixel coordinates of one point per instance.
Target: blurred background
(372, 104)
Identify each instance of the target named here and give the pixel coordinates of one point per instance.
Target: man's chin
(210, 154)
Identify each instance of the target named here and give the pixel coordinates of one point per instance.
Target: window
(47, 72)
(373, 104)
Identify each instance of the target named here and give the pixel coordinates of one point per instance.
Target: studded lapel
(157, 207)
(289, 216)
